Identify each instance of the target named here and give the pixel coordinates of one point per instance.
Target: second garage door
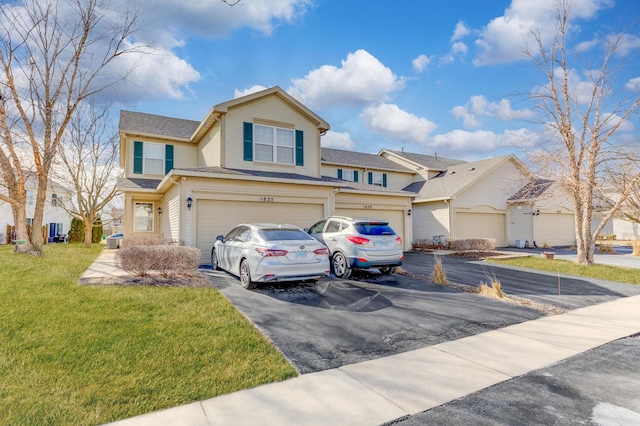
(394, 217)
(481, 225)
(556, 230)
(219, 217)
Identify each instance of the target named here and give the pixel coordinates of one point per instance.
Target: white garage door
(394, 217)
(219, 217)
(555, 230)
(481, 225)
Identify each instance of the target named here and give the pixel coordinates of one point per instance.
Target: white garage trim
(218, 217)
(481, 225)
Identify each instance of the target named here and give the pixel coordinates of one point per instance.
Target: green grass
(604, 272)
(84, 355)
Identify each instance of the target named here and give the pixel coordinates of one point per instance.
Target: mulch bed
(191, 280)
(475, 254)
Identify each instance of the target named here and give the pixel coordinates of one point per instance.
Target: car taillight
(322, 251)
(265, 252)
(399, 240)
(358, 240)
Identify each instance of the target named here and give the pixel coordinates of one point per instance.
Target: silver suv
(359, 243)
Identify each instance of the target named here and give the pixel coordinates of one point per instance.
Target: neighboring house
(252, 159)
(57, 220)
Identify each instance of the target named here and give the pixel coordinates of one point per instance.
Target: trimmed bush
(76, 232)
(166, 260)
(468, 244)
(142, 241)
(96, 230)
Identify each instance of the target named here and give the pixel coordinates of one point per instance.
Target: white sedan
(270, 252)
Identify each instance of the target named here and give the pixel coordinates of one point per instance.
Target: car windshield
(373, 228)
(284, 234)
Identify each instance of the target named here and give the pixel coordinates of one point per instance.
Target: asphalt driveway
(339, 322)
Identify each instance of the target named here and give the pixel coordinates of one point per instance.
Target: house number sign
(367, 206)
(266, 199)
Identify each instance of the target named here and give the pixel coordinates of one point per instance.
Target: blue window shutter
(248, 141)
(137, 157)
(299, 148)
(168, 158)
(370, 178)
(384, 180)
(339, 173)
(355, 175)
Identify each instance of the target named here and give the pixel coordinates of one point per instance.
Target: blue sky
(430, 77)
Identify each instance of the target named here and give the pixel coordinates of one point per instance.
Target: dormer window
(274, 144)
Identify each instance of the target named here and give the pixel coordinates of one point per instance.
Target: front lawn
(603, 272)
(85, 355)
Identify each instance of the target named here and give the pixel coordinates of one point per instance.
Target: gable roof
(532, 190)
(359, 159)
(431, 162)
(156, 125)
(457, 178)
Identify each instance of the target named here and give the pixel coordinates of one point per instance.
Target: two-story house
(256, 158)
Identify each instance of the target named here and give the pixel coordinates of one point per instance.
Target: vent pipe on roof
(435, 154)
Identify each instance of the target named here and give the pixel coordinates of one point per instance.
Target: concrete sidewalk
(385, 389)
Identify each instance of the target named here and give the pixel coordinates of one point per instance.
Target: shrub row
(480, 244)
(140, 260)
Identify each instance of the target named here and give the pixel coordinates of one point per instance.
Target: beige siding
(392, 209)
(184, 156)
(270, 110)
(171, 219)
(520, 224)
(209, 149)
(493, 189)
(430, 219)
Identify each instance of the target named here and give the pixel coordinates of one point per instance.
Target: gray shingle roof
(156, 125)
(429, 161)
(359, 159)
(532, 190)
(137, 183)
(457, 177)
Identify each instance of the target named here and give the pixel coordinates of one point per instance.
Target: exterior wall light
(189, 202)
(159, 210)
(409, 212)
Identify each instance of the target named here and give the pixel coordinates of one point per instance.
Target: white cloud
(253, 89)
(478, 107)
(421, 63)
(338, 140)
(483, 141)
(633, 84)
(459, 47)
(390, 120)
(460, 31)
(626, 43)
(362, 79)
(505, 37)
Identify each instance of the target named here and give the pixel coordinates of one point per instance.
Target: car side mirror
(220, 238)
(307, 230)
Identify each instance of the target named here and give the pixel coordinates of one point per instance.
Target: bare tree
(52, 57)
(581, 122)
(89, 164)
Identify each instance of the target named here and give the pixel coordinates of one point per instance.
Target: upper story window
(274, 144)
(350, 175)
(54, 200)
(378, 179)
(30, 196)
(152, 158)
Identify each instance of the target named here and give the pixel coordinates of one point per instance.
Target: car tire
(245, 275)
(214, 260)
(340, 265)
(387, 270)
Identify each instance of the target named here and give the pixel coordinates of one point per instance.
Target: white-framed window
(30, 195)
(348, 175)
(377, 179)
(274, 144)
(54, 200)
(29, 221)
(143, 217)
(153, 155)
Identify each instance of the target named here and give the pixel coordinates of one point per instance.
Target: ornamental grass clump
(636, 247)
(438, 276)
(606, 248)
(491, 288)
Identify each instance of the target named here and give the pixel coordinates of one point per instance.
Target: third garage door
(481, 225)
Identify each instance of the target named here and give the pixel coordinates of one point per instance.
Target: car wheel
(214, 260)
(387, 270)
(245, 275)
(341, 268)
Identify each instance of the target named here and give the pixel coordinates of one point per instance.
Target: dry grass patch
(636, 247)
(438, 276)
(606, 248)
